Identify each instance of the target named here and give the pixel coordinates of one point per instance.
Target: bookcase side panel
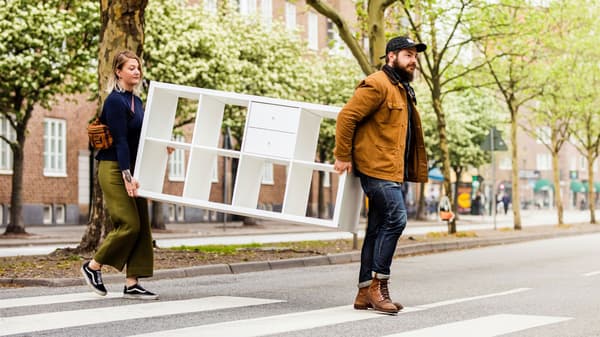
(247, 182)
(209, 118)
(162, 105)
(348, 203)
(298, 188)
(151, 166)
(198, 179)
(308, 136)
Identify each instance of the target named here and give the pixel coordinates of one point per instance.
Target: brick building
(57, 184)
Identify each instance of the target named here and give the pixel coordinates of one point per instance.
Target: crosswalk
(269, 325)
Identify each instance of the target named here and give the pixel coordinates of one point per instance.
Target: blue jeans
(386, 221)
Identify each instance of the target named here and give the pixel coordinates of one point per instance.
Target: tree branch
(345, 33)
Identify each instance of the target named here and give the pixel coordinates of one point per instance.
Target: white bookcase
(276, 131)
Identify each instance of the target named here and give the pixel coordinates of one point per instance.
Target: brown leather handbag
(99, 135)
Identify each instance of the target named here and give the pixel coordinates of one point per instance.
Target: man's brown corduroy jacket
(371, 132)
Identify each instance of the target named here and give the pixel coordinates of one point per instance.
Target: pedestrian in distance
(505, 202)
(129, 244)
(379, 138)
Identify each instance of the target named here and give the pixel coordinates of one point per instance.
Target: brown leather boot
(362, 302)
(386, 293)
(376, 298)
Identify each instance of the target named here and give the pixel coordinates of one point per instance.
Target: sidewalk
(44, 239)
(536, 225)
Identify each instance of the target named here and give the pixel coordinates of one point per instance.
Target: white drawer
(273, 117)
(269, 143)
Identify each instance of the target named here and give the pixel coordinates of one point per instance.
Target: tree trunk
(122, 28)
(375, 24)
(16, 225)
(157, 220)
(443, 144)
(557, 193)
(591, 194)
(516, 199)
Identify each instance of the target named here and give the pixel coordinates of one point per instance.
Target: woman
(130, 243)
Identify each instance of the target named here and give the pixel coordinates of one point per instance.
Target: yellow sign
(464, 200)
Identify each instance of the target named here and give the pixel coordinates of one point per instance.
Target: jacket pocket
(396, 112)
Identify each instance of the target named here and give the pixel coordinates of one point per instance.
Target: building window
(582, 164)
(47, 219)
(543, 135)
(210, 6)
(544, 162)
(6, 155)
(180, 213)
(60, 214)
(266, 11)
(505, 163)
(268, 174)
(171, 210)
(313, 31)
(335, 42)
(290, 15)
(247, 7)
(55, 149)
(177, 162)
(573, 164)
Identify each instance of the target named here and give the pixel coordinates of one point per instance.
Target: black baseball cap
(403, 42)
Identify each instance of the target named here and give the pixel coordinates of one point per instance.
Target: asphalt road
(539, 288)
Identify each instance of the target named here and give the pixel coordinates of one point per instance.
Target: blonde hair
(118, 62)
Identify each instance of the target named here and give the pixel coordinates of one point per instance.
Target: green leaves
(46, 48)
(228, 51)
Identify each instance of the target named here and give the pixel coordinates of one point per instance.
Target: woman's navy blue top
(125, 127)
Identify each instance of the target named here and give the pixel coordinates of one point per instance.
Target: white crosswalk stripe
(66, 319)
(55, 299)
(488, 326)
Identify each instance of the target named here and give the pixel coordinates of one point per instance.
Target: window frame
(55, 160)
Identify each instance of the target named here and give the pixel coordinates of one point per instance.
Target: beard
(403, 71)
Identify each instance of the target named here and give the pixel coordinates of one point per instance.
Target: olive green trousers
(130, 242)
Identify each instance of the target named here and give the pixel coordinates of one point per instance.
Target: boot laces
(383, 287)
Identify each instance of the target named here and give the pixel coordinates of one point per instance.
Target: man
(380, 139)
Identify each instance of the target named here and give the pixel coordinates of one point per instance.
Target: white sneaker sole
(140, 297)
(87, 281)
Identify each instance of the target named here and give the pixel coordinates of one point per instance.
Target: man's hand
(342, 166)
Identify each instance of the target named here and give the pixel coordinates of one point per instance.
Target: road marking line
(301, 320)
(488, 326)
(54, 299)
(272, 324)
(594, 273)
(66, 319)
(467, 299)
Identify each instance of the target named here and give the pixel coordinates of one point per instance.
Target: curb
(310, 261)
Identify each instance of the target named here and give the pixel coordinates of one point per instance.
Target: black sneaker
(137, 292)
(93, 278)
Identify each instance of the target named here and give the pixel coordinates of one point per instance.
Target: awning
(578, 187)
(436, 174)
(596, 186)
(542, 184)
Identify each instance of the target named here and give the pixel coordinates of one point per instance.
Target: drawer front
(269, 143)
(273, 117)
